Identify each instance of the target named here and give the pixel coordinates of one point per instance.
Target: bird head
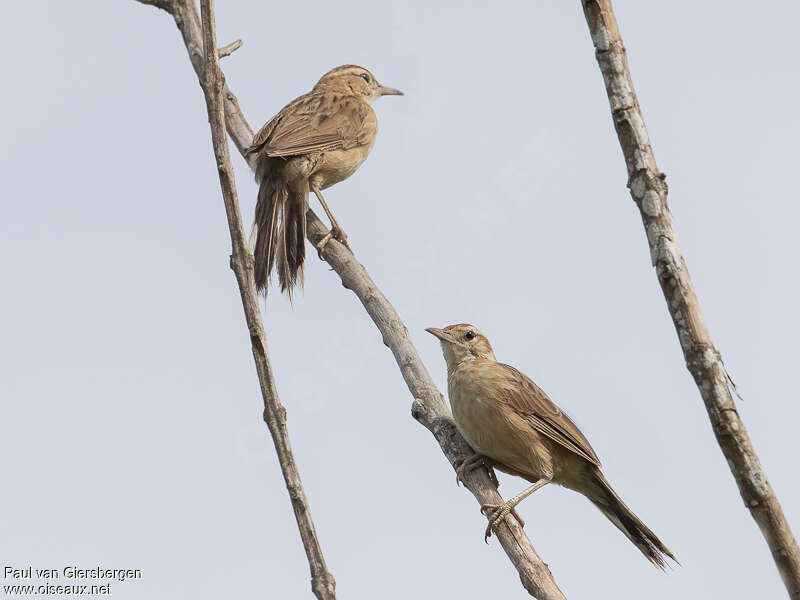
(462, 342)
(355, 80)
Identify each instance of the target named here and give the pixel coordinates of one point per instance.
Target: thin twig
(429, 406)
(229, 49)
(649, 190)
(322, 582)
(162, 4)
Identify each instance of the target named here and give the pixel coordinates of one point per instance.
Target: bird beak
(441, 334)
(387, 91)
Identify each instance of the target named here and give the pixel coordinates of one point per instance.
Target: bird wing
(316, 123)
(530, 402)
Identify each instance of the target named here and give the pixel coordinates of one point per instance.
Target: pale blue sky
(495, 194)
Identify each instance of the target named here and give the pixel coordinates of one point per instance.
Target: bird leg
(336, 231)
(498, 512)
(465, 465)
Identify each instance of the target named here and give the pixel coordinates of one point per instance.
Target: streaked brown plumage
(315, 141)
(508, 419)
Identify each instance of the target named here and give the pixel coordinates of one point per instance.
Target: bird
(513, 425)
(314, 142)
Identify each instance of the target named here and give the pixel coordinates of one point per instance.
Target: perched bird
(315, 141)
(512, 425)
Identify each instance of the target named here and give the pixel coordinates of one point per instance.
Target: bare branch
(322, 582)
(229, 49)
(162, 4)
(649, 190)
(429, 406)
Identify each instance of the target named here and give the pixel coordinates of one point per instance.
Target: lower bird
(512, 425)
(315, 141)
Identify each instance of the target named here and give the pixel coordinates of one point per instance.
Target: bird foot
(496, 513)
(465, 465)
(338, 234)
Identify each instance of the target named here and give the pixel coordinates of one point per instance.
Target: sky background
(131, 428)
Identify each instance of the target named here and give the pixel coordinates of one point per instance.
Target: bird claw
(340, 236)
(495, 514)
(336, 233)
(322, 243)
(492, 475)
(458, 465)
(465, 465)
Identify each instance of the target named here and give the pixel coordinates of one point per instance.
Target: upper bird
(512, 425)
(315, 141)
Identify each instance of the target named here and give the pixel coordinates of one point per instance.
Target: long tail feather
(271, 195)
(292, 239)
(280, 231)
(612, 506)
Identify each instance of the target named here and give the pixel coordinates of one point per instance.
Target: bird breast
(334, 166)
(490, 425)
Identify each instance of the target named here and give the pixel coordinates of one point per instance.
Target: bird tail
(280, 232)
(612, 506)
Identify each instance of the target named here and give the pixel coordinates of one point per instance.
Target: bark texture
(648, 188)
(322, 582)
(429, 406)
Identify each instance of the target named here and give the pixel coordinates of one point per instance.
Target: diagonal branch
(649, 190)
(322, 582)
(429, 406)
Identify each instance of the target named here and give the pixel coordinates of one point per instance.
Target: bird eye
(365, 77)
(470, 335)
